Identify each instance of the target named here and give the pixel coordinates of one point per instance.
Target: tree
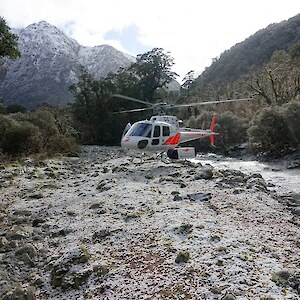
(8, 41)
(278, 81)
(14, 108)
(92, 108)
(188, 80)
(153, 70)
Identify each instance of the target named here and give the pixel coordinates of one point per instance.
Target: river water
(283, 180)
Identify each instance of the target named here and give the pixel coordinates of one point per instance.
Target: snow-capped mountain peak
(50, 62)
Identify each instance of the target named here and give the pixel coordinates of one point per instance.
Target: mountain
(49, 63)
(252, 52)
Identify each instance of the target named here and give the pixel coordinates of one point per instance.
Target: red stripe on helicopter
(173, 140)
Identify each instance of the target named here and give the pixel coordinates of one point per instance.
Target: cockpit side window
(141, 129)
(156, 132)
(166, 130)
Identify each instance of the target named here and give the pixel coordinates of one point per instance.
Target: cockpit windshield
(140, 129)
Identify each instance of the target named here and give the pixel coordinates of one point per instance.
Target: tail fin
(211, 128)
(212, 124)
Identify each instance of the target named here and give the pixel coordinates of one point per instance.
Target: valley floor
(105, 226)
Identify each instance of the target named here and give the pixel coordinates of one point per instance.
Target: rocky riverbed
(106, 226)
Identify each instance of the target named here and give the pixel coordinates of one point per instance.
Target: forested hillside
(252, 53)
(266, 67)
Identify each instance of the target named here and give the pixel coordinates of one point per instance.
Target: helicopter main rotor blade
(132, 99)
(211, 102)
(131, 110)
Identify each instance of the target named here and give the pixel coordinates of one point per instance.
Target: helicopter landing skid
(163, 157)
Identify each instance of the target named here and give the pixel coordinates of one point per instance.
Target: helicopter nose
(133, 143)
(126, 142)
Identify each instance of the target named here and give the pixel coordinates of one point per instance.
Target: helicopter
(163, 133)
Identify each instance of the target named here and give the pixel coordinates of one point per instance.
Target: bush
(54, 140)
(6, 123)
(291, 113)
(21, 139)
(202, 121)
(232, 130)
(33, 133)
(61, 144)
(269, 130)
(14, 108)
(44, 120)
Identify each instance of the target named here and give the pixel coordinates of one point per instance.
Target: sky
(192, 31)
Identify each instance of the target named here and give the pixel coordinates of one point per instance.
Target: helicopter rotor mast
(160, 108)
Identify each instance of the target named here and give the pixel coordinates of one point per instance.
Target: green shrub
(268, 131)
(202, 121)
(291, 113)
(45, 121)
(232, 130)
(6, 123)
(37, 132)
(21, 139)
(60, 143)
(14, 108)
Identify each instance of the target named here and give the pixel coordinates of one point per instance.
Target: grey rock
(296, 211)
(75, 278)
(20, 293)
(183, 257)
(95, 205)
(293, 164)
(22, 213)
(100, 235)
(177, 198)
(257, 183)
(294, 281)
(17, 235)
(28, 249)
(206, 173)
(63, 274)
(228, 297)
(26, 259)
(37, 195)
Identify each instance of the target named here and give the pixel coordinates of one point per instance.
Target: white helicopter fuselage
(162, 132)
(158, 134)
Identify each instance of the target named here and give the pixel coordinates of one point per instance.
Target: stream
(279, 178)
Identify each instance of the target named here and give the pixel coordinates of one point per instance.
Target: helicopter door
(156, 140)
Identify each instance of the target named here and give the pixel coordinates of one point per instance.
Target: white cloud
(194, 31)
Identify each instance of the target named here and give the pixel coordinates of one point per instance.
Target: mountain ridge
(50, 63)
(253, 52)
